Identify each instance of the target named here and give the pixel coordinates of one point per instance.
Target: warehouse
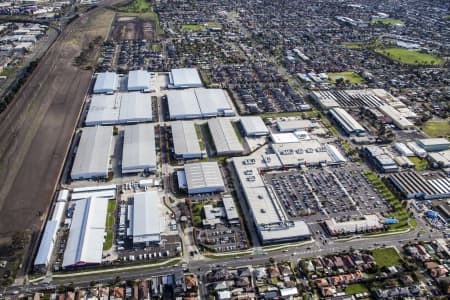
(145, 223)
(396, 118)
(403, 149)
(46, 246)
(93, 154)
(86, 236)
(369, 223)
(413, 185)
(295, 125)
(346, 121)
(270, 220)
(434, 144)
(138, 80)
(213, 102)
(185, 140)
(383, 162)
(419, 151)
(103, 110)
(224, 137)
(139, 154)
(325, 99)
(184, 78)
(254, 126)
(441, 158)
(135, 108)
(203, 177)
(106, 83)
(183, 105)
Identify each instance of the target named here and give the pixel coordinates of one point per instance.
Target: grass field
(193, 27)
(437, 128)
(137, 6)
(109, 221)
(353, 45)
(356, 288)
(386, 257)
(352, 77)
(420, 163)
(111, 205)
(108, 240)
(387, 22)
(409, 57)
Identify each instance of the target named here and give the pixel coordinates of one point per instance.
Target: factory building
(87, 231)
(295, 125)
(103, 110)
(183, 105)
(224, 137)
(419, 151)
(46, 245)
(396, 117)
(413, 185)
(325, 99)
(403, 149)
(254, 126)
(441, 158)
(203, 177)
(138, 80)
(139, 154)
(383, 162)
(93, 153)
(434, 144)
(184, 78)
(346, 121)
(370, 223)
(185, 140)
(145, 222)
(106, 83)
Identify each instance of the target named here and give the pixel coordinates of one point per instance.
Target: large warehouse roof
(47, 243)
(135, 107)
(103, 110)
(139, 148)
(138, 80)
(212, 102)
(399, 121)
(185, 139)
(254, 125)
(224, 137)
(183, 105)
(85, 243)
(146, 218)
(184, 78)
(92, 158)
(346, 121)
(203, 177)
(106, 83)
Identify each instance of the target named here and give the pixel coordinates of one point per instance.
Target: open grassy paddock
(353, 45)
(437, 128)
(386, 257)
(387, 22)
(352, 77)
(409, 57)
(193, 27)
(356, 288)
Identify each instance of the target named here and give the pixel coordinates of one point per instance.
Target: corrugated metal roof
(92, 158)
(135, 107)
(203, 175)
(85, 243)
(103, 110)
(146, 217)
(138, 80)
(254, 125)
(185, 77)
(212, 101)
(224, 136)
(106, 82)
(47, 243)
(139, 148)
(183, 104)
(185, 139)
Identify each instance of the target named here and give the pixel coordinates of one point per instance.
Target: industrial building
(46, 245)
(198, 103)
(270, 220)
(295, 125)
(413, 185)
(370, 223)
(139, 154)
(230, 209)
(224, 137)
(254, 126)
(396, 117)
(203, 177)
(383, 162)
(434, 144)
(403, 149)
(145, 221)
(138, 80)
(346, 121)
(93, 153)
(121, 108)
(416, 149)
(184, 78)
(441, 158)
(106, 83)
(87, 231)
(185, 140)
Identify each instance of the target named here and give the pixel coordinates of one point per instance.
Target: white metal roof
(230, 207)
(138, 80)
(254, 125)
(224, 136)
(346, 120)
(106, 82)
(85, 243)
(203, 175)
(92, 158)
(146, 218)
(58, 211)
(47, 243)
(185, 77)
(183, 104)
(103, 110)
(400, 121)
(185, 139)
(135, 107)
(212, 101)
(138, 148)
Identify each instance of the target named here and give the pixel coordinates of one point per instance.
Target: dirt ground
(36, 129)
(132, 28)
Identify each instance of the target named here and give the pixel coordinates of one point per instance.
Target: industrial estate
(216, 150)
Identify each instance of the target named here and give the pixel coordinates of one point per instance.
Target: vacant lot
(352, 77)
(437, 128)
(410, 57)
(386, 257)
(356, 288)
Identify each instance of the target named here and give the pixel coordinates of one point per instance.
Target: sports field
(352, 77)
(437, 128)
(410, 57)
